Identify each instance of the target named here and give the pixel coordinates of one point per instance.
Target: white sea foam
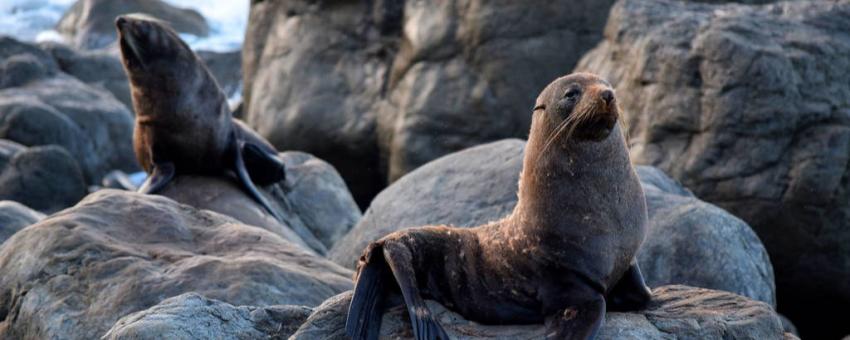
(34, 20)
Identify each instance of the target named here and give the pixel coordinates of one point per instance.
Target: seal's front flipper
(366, 309)
(578, 322)
(630, 293)
(248, 184)
(263, 165)
(400, 261)
(160, 176)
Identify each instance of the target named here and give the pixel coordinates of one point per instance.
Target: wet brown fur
(579, 221)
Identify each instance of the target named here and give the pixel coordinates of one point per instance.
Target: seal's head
(166, 76)
(580, 106)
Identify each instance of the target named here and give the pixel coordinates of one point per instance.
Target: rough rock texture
(749, 107)
(15, 216)
(318, 196)
(90, 24)
(74, 274)
(39, 105)
(193, 316)
(313, 200)
(689, 241)
(695, 243)
(427, 77)
(44, 178)
(676, 312)
(99, 68)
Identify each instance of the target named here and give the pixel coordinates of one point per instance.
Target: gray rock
(15, 216)
(21, 63)
(98, 68)
(394, 84)
(74, 274)
(676, 312)
(689, 241)
(89, 24)
(44, 178)
(39, 105)
(695, 243)
(193, 316)
(749, 107)
(318, 196)
(313, 200)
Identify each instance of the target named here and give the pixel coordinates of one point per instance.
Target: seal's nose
(607, 96)
(120, 21)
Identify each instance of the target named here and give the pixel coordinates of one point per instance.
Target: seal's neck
(569, 176)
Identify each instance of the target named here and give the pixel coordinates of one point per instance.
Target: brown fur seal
(183, 123)
(565, 253)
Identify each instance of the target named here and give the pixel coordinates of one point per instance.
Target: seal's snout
(120, 22)
(607, 96)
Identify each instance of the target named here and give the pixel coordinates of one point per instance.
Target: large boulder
(40, 105)
(688, 242)
(74, 274)
(676, 312)
(90, 24)
(15, 216)
(98, 68)
(749, 107)
(193, 316)
(44, 178)
(394, 84)
(315, 204)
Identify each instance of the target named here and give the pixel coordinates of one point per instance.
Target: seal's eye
(572, 93)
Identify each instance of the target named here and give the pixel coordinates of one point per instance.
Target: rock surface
(749, 107)
(313, 200)
(97, 68)
(44, 178)
(74, 274)
(90, 24)
(39, 105)
(15, 216)
(676, 312)
(192, 316)
(688, 241)
(426, 77)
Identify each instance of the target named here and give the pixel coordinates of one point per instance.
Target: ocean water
(34, 20)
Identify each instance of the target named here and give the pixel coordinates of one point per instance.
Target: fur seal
(563, 256)
(183, 123)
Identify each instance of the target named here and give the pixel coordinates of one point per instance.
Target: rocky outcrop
(427, 77)
(676, 312)
(40, 105)
(316, 207)
(90, 24)
(44, 178)
(192, 316)
(688, 241)
(98, 68)
(15, 216)
(749, 107)
(74, 274)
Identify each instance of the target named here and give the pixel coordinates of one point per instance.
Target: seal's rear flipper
(263, 165)
(160, 176)
(578, 322)
(400, 260)
(248, 184)
(366, 309)
(630, 293)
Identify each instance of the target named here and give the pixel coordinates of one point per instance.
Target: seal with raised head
(183, 122)
(565, 253)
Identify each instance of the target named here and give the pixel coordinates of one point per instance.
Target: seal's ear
(539, 107)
